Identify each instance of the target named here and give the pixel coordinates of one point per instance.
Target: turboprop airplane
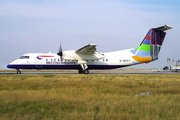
(87, 58)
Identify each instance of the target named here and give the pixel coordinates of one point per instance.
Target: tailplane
(150, 47)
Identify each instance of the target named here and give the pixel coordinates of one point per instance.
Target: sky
(39, 26)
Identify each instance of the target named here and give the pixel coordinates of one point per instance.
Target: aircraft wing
(88, 49)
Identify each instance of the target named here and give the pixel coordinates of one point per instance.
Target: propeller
(60, 53)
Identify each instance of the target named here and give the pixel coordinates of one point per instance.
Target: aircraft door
(38, 63)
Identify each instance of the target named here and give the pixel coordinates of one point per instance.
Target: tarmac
(120, 72)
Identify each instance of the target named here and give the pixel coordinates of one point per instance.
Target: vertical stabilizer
(150, 47)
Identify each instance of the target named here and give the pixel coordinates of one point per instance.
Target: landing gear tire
(86, 71)
(80, 71)
(18, 72)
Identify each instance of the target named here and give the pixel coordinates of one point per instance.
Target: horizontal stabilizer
(163, 28)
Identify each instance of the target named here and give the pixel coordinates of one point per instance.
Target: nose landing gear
(18, 71)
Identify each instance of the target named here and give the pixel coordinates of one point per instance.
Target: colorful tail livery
(150, 47)
(87, 58)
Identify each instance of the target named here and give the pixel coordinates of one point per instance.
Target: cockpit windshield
(24, 57)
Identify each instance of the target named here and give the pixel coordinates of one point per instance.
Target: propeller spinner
(60, 53)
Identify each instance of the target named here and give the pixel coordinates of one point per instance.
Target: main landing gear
(83, 69)
(18, 71)
(86, 71)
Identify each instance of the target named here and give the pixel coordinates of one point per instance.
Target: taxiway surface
(94, 72)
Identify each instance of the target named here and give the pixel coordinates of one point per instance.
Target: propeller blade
(60, 53)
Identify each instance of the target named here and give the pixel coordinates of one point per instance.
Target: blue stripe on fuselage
(64, 66)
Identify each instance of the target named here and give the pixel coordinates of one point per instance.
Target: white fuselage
(110, 60)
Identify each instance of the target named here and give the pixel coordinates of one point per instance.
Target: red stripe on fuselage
(45, 56)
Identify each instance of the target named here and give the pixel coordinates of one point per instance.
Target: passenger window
(46, 59)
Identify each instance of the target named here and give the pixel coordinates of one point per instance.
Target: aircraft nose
(9, 66)
(12, 64)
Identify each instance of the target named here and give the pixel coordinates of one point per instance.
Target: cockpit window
(24, 57)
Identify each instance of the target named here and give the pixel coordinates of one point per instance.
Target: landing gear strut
(18, 71)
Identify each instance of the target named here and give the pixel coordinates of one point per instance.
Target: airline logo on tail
(151, 45)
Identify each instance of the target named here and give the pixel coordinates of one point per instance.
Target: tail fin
(150, 47)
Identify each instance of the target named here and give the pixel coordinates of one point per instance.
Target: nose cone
(8, 66)
(12, 64)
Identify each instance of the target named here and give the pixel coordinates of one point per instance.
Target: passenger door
(39, 63)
